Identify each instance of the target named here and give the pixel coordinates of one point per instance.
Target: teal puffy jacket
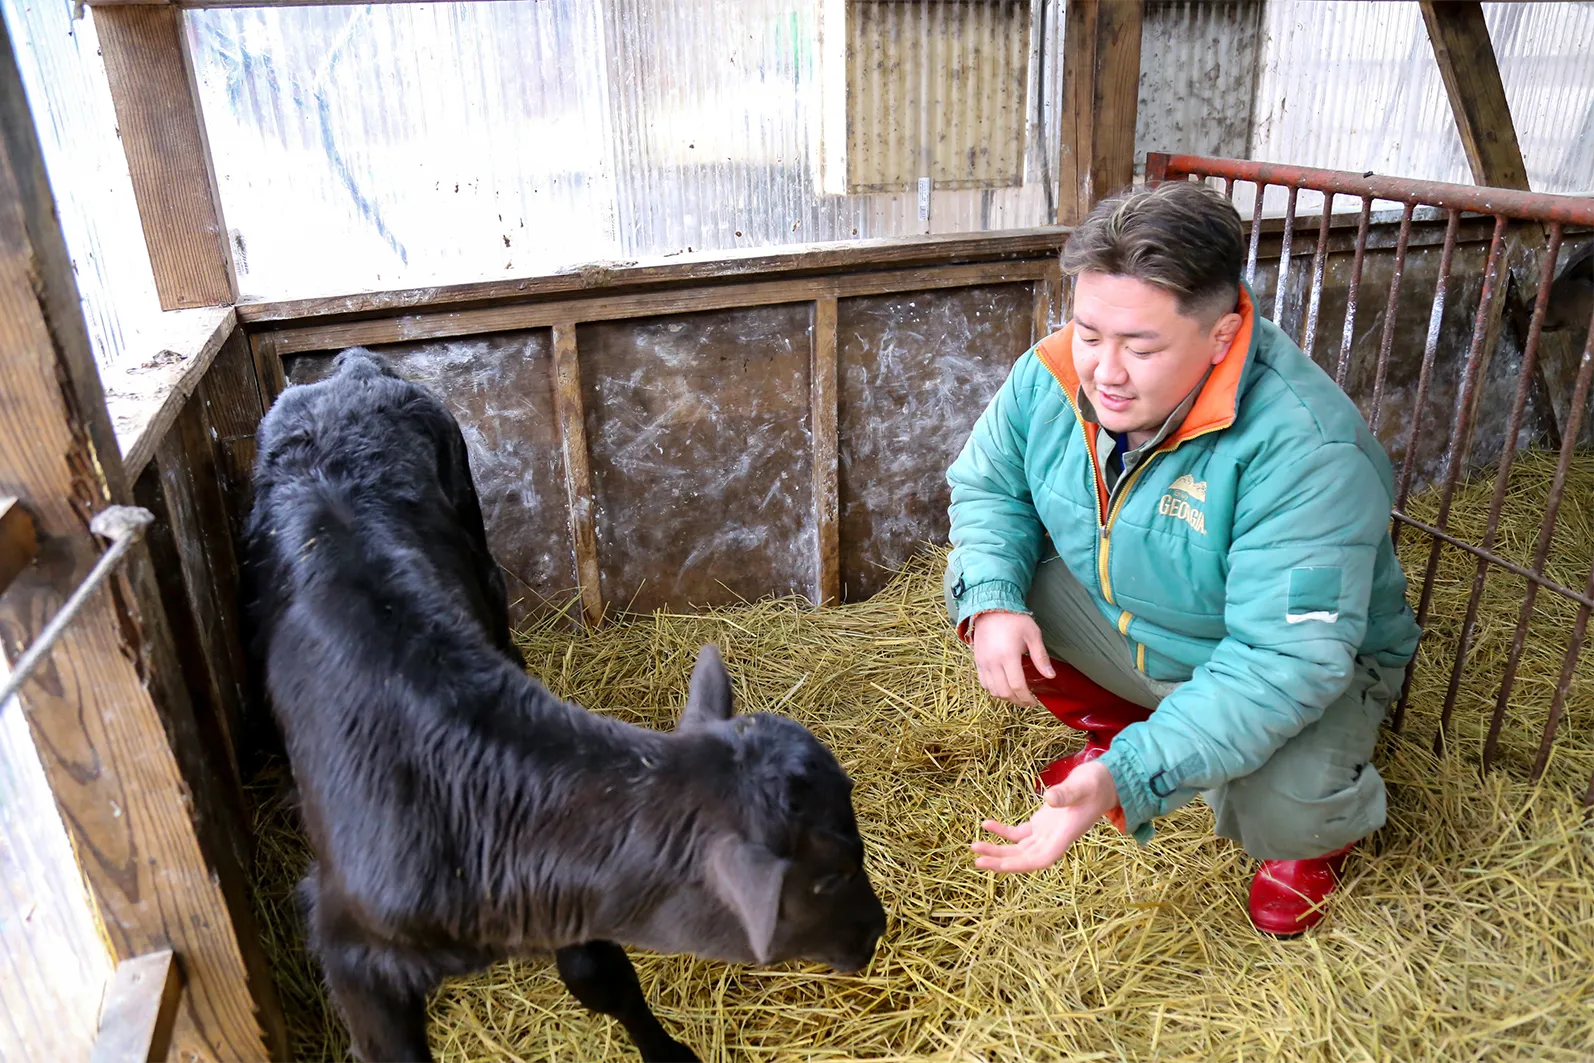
(1248, 559)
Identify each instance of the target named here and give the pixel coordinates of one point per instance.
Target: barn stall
(750, 446)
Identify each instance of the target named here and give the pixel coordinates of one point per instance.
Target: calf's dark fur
(459, 813)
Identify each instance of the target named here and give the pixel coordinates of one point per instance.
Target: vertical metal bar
(1256, 234)
(1391, 314)
(1228, 187)
(1348, 339)
(1429, 351)
(1502, 478)
(1574, 424)
(1284, 258)
(1319, 260)
(1460, 435)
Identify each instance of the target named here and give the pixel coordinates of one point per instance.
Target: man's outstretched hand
(1067, 812)
(1000, 642)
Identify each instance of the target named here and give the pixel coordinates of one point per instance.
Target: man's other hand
(1000, 642)
(1068, 811)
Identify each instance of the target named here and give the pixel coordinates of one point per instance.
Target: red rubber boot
(1287, 895)
(1077, 701)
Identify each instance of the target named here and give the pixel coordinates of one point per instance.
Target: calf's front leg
(600, 975)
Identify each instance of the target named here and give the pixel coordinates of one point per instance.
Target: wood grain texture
(916, 372)
(168, 156)
(1461, 45)
(145, 396)
(108, 709)
(546, 314)
(613, 278)
(1100, 94)
(139, 1011)
(698, 427)
(501, 390)
(231, 394)
(825, 456)
(578, 471)
(19, 541)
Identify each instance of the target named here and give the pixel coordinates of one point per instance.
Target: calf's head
(787, 860)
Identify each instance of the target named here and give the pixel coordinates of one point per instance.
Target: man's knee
(1282, 816)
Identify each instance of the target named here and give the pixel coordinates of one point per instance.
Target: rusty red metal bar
(1504, 206)
(1478, 199)
(1387, 343)
(1502, 481)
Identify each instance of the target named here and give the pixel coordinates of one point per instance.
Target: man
(1184, 525)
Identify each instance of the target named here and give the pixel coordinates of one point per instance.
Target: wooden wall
(756, 427)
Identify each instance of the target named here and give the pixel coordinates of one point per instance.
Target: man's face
(1136, 355)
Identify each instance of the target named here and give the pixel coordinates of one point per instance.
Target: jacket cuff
(992, 596)
(1135, 796)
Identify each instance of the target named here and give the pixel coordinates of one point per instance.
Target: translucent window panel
(1353, 86)
(64, 79)
(374, 147)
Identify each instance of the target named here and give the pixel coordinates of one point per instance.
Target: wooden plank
(140, 1010)
(611, 278)
(1100, 94)
(1048, 303)
(915, 373)
(1461, 45)
(231, 394)
(578, 473)
(145, 397)
(698, 428)
(288, 341)
(825, 456)
(108, 710)
(19, 542)
(168, 156)
(264, 348)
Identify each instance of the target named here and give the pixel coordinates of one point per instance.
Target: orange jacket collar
(1218, 403)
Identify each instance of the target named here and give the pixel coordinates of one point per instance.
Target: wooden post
(1101, 90)
(571, 411)
(139, 1011)
(157, 111)
(823, 414)
(107, 708)
(1477, 95)
(1471, 73)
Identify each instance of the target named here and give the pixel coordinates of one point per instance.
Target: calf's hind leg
(600, 975)
(383, 1006)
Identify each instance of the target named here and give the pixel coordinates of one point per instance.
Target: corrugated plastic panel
(373, 147)
(64, 78)
(1197, 78)
(1354, 86)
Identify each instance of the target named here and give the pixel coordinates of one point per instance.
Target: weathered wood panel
(109, 711)
(700, 435)
(916, 372)
(500, 387)
(231, 394)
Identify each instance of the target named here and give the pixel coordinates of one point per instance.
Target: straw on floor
(1465, 930)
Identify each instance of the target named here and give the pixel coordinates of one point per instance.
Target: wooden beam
(168, 155)
(571, 410)
(272, 346)
(600, 278)
(140, 1010)
(1466, 59)
(1100, 94)
(18, 541)
(826, 456)
(108, 709)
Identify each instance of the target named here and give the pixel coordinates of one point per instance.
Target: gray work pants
(1318, 793)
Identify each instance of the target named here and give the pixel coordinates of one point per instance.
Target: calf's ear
(748, 878)
(709, 698)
